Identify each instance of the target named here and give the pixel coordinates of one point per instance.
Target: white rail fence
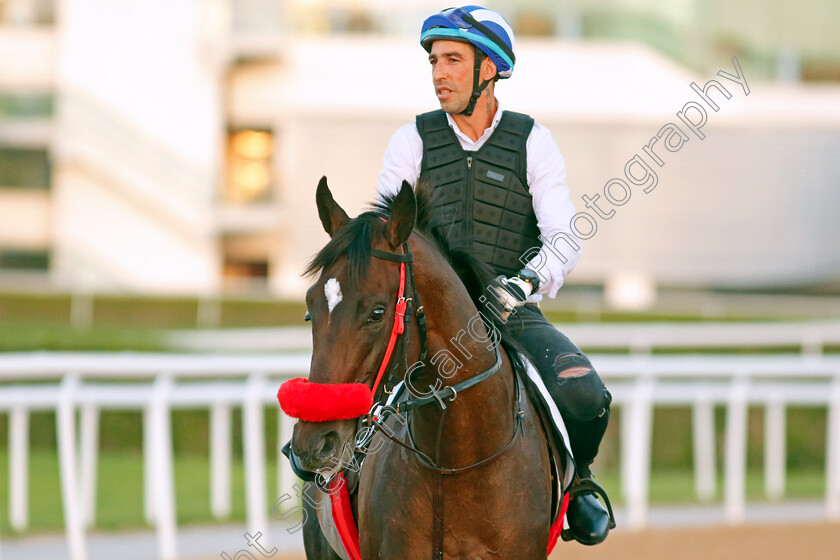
(810, 337)
(86, 384)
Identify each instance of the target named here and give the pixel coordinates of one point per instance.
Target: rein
(377, 419)
(378, 415)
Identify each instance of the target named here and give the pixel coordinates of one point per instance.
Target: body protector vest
(482, 196)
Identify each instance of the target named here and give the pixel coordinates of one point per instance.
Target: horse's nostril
(329, 445)
(328, 448)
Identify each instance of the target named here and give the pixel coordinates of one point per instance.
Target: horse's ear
(333, 217)
(403, 215)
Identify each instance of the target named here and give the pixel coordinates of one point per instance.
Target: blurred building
(174, 145)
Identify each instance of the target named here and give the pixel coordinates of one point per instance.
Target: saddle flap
(553, 425)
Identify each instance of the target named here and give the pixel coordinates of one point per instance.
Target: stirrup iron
(586, 486)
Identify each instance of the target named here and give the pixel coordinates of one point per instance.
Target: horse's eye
(377, 315)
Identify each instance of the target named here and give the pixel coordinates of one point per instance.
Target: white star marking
(332, 289)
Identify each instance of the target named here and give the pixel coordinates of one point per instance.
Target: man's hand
(511, 292)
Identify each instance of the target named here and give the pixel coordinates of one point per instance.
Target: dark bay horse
(465, 478)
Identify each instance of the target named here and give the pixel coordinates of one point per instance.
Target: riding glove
(511, 292)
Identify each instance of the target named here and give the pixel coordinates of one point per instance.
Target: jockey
(501, 181)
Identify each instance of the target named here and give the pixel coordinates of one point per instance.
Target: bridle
(373, 419)
(406, 308)
(308, 401)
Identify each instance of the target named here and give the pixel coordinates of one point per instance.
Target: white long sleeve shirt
(546, 176)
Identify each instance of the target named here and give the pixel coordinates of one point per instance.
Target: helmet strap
(478, 89)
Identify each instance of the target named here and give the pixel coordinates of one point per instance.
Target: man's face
(452, 74)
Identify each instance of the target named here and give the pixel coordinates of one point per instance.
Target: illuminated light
(250, 179)
(630, 291)
(253, 144)
(249, 175)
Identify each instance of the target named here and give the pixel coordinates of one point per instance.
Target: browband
(409, 257)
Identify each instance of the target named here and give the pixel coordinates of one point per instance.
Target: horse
(465, 471)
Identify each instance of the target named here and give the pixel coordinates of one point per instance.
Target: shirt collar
(464, 138)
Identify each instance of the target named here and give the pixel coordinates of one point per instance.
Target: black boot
(589, 523)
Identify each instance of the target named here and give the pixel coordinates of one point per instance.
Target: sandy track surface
(767, 542)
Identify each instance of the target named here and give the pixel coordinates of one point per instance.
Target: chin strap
(478, 89)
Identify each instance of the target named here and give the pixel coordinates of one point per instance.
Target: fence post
(833, 453)
(736, 451)
(285, 475)
(812, 342)
(775, 434)
(148, 466)
(162, 467)
(220, 460)
(19, 468)
(66, 430)
(208, 312)
(636, 448)
(88, 447)
(703, 427)
(81, 309)
(254, 440)
(626, 437)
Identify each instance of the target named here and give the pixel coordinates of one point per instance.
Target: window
(24, 168)
(24, 260)
(249, 170)
(245, 262)
(26, 105)
(27, 12)
(245, 269)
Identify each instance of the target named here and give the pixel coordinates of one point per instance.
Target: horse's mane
(353, 241)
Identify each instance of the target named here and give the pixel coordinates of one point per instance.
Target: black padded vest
(483, 195)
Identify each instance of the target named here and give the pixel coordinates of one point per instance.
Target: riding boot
(589, 523)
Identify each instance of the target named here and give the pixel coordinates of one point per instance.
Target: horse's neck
(480, 417)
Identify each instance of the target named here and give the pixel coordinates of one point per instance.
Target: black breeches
(581, 396)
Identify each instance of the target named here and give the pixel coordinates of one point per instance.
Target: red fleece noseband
(320, 402)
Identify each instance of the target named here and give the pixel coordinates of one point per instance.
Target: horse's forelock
(353, 241)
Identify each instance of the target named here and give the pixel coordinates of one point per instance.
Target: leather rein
(399, 337)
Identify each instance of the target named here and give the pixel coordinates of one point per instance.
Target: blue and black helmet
(483, 28)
